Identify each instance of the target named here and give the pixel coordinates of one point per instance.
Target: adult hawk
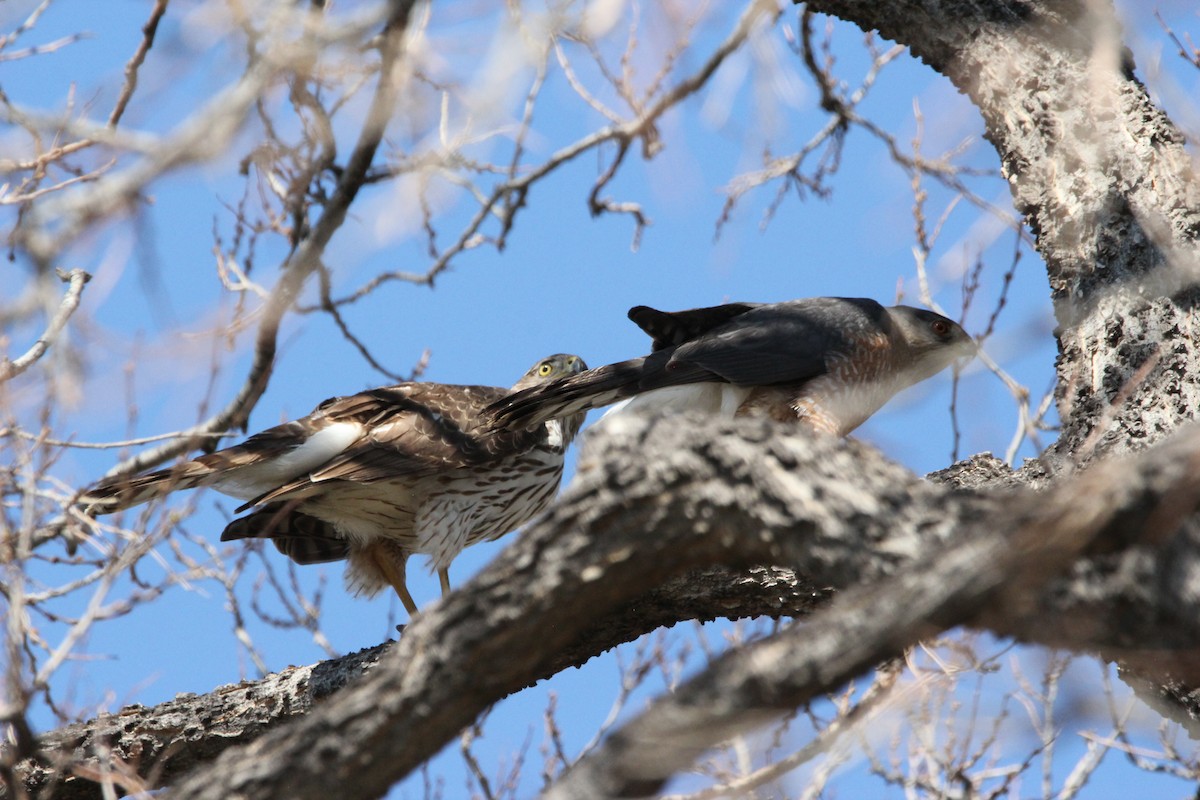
(829, 362)
(375, 477)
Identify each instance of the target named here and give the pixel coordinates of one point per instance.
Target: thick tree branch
(656, 500)
(704, 493)
(991, 576)
(166, 741)
(155, 737)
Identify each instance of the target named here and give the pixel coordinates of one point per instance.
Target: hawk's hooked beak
(967, 350)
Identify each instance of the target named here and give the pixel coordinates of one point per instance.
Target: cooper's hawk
(377, 476)
(830, 362)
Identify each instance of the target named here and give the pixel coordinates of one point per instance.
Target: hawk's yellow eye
(545, 368)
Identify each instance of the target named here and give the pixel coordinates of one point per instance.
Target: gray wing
(746, 344)
(778, 343)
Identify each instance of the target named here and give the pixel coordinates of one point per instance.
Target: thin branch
(75, 280)
(110, 445)
(55, 224)
(1190, 52)
(136, 60)
(42, 49)
(846, 721)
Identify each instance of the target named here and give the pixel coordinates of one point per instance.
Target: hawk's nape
(827, 362)
(378, 476)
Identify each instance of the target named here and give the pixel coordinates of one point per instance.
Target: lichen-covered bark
(656, 500)
(740, 499)
(994, 575)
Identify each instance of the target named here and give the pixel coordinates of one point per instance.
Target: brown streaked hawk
(828, 362)
(378, 476)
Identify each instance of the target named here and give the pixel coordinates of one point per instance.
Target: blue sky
(152, 322)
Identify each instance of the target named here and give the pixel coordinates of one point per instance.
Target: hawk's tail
(567, 396)
(302, 538)
(122, 491)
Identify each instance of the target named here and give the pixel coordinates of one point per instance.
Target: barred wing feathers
(409, 431)
(405, 430)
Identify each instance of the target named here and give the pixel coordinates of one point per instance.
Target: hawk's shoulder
(459, 404)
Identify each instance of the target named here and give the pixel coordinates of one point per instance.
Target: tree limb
(165, 741)
(835, 511)
(990, 576)
(171, 738)
(655, 500)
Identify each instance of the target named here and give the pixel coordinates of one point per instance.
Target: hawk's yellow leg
(388, 567)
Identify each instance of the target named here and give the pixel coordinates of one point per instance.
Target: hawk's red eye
(940, 327)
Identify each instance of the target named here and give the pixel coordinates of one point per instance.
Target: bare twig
(1190, 52)
(75, 280)
(846, 721)
(111, 445)
(640, 127)
(56, 223)
(135, 61)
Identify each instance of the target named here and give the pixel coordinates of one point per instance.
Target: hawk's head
(934, 342)
(551, 368)
(559, 365)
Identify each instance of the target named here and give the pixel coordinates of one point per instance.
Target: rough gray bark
(990, 576)
(834, 509)
(167, 740)
(1104, 182)
(1111, 195)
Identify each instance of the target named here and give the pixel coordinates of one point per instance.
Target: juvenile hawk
(377, 476)
(829, 362)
